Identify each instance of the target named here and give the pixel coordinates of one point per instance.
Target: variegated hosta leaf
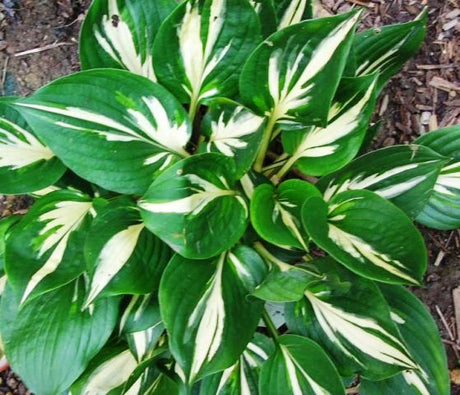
(385, 50)
(405, 175)
(122, 127)
(421, 335)
(107, 373)
(206, 310)
(317, 150)
(51, 339)
(200, 48)
(142, 343)
(243, 376)
(293, 75)
(267, 15)
(369, 235)
(233, 131)
(193, 208)
(6, 225)
(275, 214)
(348, 316)
(44, 250)
(443, 208)
(290, 12)
(119, 34)
(26, 164)
(299, 366)
(285, 282)
(122, 256)
(142, 312)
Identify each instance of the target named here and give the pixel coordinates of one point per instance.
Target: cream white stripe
(112, 258)
(64, 219)
(17, 153)
(362, 333)
(209, 314)
(293, 13)
(292, 367)
(117, 40)
(363, 251)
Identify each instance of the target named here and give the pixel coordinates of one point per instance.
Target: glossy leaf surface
(207, 313)
(193, 208)
(369, 235)
(123, 127)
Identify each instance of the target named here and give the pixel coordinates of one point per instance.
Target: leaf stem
(265, 143)
(282, 172)
(270, 325)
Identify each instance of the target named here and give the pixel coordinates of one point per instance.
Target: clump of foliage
(196, 179)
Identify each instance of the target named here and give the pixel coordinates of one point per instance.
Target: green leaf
(290, 12)
(369, 235)
(193, 209)
(348, 316)
(421, 335)
(6, 225)
(234, 131)
(26, 164)
(275, 215)
(200, 48)
(285, 282)
(44, 250)
(143, 343)
(122, 256)
(243, 376)
(405, 175)
(299, 366)
(142, 312)
(385, 50)
(267, 15)
(122, 127)
(207, 312)
(107, 372)
(60, 337)
(293, 75)
(318, 151)
(443, 208)
(119, 34)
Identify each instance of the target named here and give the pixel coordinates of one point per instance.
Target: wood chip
(443, 84)
(456, 298)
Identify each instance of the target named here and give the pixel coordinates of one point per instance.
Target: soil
(423, 97)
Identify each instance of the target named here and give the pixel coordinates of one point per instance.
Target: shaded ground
(425, 96)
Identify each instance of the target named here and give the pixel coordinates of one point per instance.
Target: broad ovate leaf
(107, 372)
(233, 131)
(443, 208)
(293, 75)
(290, 12)
(421, 336)
(122, 256)
(123, 128)
(385, 50)
(275, 213)
(319, 150)
(44, 250)
(51, 339)
(120, 33)
(26, 164)
(192, 207)
(200, 48)
(405, 175)
(369, 235)
(207, 312)
(348, 316)
(243, 377)
(299, 366)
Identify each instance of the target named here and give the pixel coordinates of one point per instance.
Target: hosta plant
(207, 218)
